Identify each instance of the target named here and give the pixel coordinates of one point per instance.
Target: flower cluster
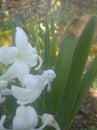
(21, 58)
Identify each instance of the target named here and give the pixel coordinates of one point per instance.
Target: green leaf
(71, 86)
(11, 105)
(62, 68)
(47, 50)
(47, 97)
(54, 42)
(84, 86)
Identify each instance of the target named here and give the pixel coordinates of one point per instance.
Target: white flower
(25, 118)
(48, 119)
(3, 90)
(25, 95)
(33, 85)
(38, 81)
(22, 57)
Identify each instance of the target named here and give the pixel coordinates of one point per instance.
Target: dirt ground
(86, 118)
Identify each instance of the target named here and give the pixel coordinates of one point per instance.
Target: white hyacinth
(26, 118)
(22, 57)
(33, 85)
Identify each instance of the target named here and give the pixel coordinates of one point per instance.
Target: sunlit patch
(58, 3)
(5, 38)
(93, 53)
(57, 51)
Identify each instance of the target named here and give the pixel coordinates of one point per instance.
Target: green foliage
(63, 67)
(11, 105)
(71, 83)
(68, 93)
(95, 84)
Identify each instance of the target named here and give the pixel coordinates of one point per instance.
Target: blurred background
(58, 18)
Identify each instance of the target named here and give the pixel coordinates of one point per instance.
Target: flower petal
(24, 95)
(20, 93)
(25, 118)
(31, 81)
(28, 53)
(48, 119)
(32, 116)
(6, 91)
(40, 62)
(3, 84)
(21, 39)
(38, 81)
(31, 57)
(16, 70)
(7, 54)
(50, 75)
(2, 120)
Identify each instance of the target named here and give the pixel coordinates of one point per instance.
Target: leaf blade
(63, 65)
(77, 67)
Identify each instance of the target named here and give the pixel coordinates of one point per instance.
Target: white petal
(30, 81)
(3, 84)
(2, 122)
(25, 118)
(7, 55)
(40, 63)
(32, 97)
(31, 57)
(6, 92)
(32, 60)
(50, 74)
(48, 119)
(24, 95)
(16, 70)
(18, 124)
(34, 83)
(26, 51)
(21, 39)
(20, 93)
(32, 116)
(38, 81)
(31, 50)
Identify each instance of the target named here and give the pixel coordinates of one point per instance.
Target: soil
(86, 118)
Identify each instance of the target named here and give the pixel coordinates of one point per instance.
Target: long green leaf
(62, 68)
(47, 50)
(77, 67)
(85, 84)
(47, 97)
